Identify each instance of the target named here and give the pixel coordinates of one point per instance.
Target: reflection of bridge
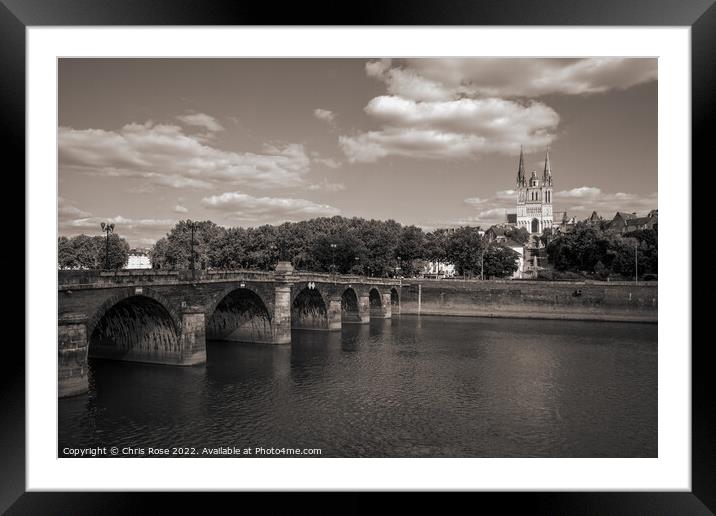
(166, 317)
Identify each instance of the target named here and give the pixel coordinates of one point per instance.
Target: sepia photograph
(357, 257)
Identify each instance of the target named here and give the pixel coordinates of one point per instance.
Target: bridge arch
(309, 309)
(120, 295)
(375, 302)
(140, 327)
(350, 307)
(394, 297)
(239, 314)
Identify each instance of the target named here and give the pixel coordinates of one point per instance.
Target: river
(410, 386)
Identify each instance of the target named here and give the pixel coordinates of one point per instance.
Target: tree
(229, 250)
(348, 246)
(463, 249)
(175, 253)
(521, 235)
(118, 251)
(410, 248)
(66, 254)
(436, 245)
(380, 239)
(262, 248)
(158, 254)
(499, 261)
(591, 251)
(86, 252)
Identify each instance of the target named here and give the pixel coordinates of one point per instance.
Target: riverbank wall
(568, 300)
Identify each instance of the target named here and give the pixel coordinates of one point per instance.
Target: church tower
(534, 198)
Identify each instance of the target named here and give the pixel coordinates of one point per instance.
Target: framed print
(419, 253)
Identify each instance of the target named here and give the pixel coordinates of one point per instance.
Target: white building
(534, 198)
(439, 270)
(138, 261)
(520, 250)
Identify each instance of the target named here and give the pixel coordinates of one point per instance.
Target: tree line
(90, 252)
(326, 244)
(375, 248)
(590, 250)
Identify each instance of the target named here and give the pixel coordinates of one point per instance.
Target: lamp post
(357, 259)
(192, 227)
(636, 262)
(333, 258)
(107, 228)
(273, 253)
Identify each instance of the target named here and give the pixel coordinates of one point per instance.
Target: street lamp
(107, 228)
(636, 262)
(192, 227)
(357, 259)
(333, 257)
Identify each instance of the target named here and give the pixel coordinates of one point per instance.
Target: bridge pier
(193, 336)
(364, 309)
(386, 306)
(281, 323)
(72, 355)
(334, 314)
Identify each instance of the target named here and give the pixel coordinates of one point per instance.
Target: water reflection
(407, 386)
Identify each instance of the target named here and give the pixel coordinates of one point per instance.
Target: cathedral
(534, 198)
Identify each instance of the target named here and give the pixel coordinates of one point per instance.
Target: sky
(433, 142)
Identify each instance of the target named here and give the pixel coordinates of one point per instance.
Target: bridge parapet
(99, 278)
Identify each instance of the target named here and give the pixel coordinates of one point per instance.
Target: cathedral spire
(547, 176)
(521, 169)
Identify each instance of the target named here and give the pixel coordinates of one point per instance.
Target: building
(498, 232)
(439, 270)
(534, 198)
(626, 222)
(594, 219)
(566, 224)
(138, 259)
(520, 250)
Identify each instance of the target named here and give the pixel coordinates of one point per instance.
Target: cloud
(328, 162)
(180, 209)
(327, 186)
(450, 129)
(442, 79)
(65, 210)
(580, 202)
(164, 155)
(203, 120)
(464, 108)
(474, 200)
(244, 207)
(136, 231)
(506, 194)
(462, 128)
(493, 117)
(325, 116)
(119, 221)
(583, 192)
(406, 82)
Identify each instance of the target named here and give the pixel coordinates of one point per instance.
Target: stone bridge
(165, 317)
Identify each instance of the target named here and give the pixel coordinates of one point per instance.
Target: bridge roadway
(165, 317)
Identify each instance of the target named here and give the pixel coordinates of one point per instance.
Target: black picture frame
(17, 15)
